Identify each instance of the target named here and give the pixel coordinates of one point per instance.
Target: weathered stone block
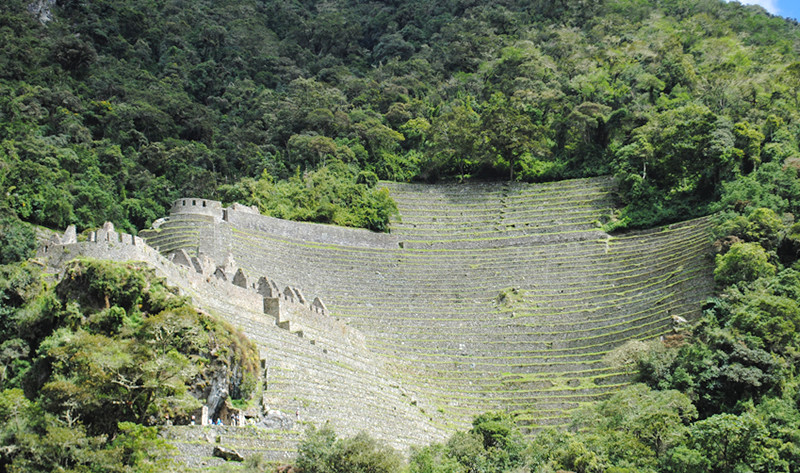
(180, 257)
(272, 306)
(70, 236)
(277, 420)
(265, 288)
(204, 416)
(227, 454)
(239, 279)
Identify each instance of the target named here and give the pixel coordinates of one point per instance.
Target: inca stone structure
(484, 296)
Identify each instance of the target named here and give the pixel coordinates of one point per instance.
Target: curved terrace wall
(484, 296)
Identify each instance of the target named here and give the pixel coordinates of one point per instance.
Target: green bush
(17, 241)
(744, 262)
(322, 452)
(112, 343)
(336, 193)
(493, 444)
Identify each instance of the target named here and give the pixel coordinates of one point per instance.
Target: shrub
(322, 452)
(744, 262)
(17, 241)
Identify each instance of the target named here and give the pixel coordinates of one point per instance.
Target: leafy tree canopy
(112, 109)
(89, 366)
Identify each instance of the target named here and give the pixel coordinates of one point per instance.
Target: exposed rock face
(70, 236)
(277, 420)
(223, 381)
(40, 9)
(218, 392)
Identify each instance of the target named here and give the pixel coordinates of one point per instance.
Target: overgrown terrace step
(555, 289)
(599, 344)
(530, 402)
(552, 255)
(600, 313)
(517, 331)
(409, 261)
(578, 295)
(432, 218)
(481, 192)
(303, 389)
(605, 245)
(472, 379)
(597, 265)
(460, 307)
(525, 345)
(508, 206)
(605, 269)
(356, 391)
(499, 227)
(479, 342)
(484, 343)
(458, 406)
(194, 445)
(473, 197)
(523, 334)
(476, 236)
(508, 346)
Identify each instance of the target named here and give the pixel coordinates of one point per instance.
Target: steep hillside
(486, 296)
(314, 369)
(112, 109)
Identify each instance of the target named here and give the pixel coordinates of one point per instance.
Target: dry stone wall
(289, 307)
(316, 369)
(485, 296)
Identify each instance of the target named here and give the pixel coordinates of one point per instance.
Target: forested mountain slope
(112, 109)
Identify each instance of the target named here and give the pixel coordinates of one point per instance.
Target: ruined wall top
(213, 208)
(193, 205)
(244, 216)
(206, 277)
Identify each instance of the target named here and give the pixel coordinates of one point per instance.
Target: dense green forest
(109, 110)
(91, 365)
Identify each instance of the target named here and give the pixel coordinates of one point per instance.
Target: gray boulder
(227, 454)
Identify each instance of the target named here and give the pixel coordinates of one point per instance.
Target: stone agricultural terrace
(484, 296)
